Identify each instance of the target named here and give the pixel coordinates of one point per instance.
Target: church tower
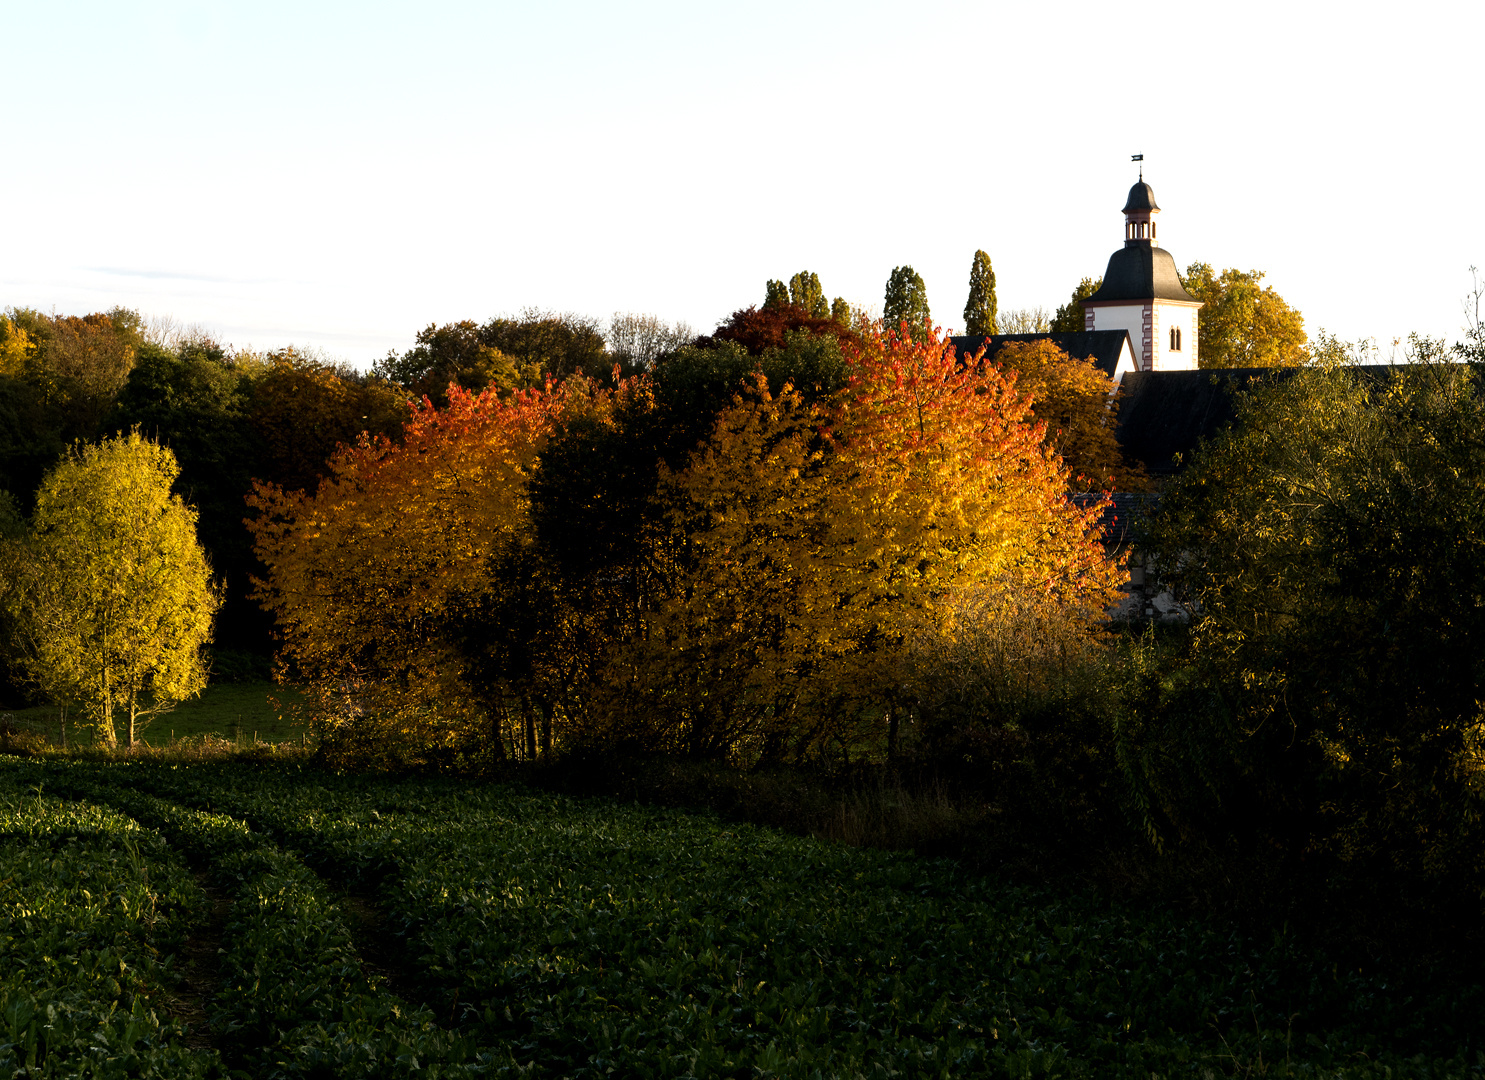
(1142, 293)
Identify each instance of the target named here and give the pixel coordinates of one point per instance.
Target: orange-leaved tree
(834, 551)
(361, 573)
(950, 510)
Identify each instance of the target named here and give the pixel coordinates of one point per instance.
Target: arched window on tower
(1175, 339)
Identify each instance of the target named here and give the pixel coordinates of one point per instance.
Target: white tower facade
(1142, 293)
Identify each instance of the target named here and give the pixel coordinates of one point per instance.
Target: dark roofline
(1103, 347)
(1165, 414)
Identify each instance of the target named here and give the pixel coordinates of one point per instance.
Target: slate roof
(1165, 413)
(1101, 346)
(1141, 197)
(1141, 271)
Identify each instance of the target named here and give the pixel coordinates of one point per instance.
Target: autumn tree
(1069, 318)
(827, 545)
(304, 407)
(720, 659)
(537, 639)
(906, 301)
(363, 573)
(841, 311)
(1076, 402)
(979, 309)
(15, 346)
(111, 595)
(1243, 323)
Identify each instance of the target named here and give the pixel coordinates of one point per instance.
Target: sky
(342, 175)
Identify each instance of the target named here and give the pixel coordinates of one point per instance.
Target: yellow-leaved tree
(834, 550)
(1077, 403)
(109, 593)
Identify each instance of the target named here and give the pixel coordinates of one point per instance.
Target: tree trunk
(497, 730)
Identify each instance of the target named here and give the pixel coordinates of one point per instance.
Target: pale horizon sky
(341, 175)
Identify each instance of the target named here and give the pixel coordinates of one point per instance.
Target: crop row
(295, 999)
(589, 938)
(91, 908)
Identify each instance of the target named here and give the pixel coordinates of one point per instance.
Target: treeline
(767, 548)
(234, 416)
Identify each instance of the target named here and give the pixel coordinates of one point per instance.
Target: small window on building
(1175, 338)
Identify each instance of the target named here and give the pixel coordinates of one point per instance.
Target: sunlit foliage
(361, 573)
(111, 595)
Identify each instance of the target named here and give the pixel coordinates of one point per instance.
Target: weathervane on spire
(1140, 158)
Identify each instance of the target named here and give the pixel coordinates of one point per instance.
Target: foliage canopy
(110, 594)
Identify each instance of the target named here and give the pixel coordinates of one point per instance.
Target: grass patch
(236, 712)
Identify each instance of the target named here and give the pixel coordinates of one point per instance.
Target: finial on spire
(1140, 158)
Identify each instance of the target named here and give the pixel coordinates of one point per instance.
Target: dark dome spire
(1141, 197)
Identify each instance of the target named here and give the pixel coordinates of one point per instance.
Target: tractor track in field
(199, 969)
(382, 955)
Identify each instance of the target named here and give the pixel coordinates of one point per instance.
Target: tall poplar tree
(979, 309)
(775, 295)
(806, 292)
(906, 301)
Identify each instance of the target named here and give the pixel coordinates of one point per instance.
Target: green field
(388, 928)
(235, 711)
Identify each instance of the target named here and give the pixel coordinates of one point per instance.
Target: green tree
(840, 311)
(110, 595)
(806, 292)
(453, 354)
(906, 301)
(1069, 317)
(1243, 323)
(555, 344)
(1331, 547)
(979, 309)
(775, 295)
